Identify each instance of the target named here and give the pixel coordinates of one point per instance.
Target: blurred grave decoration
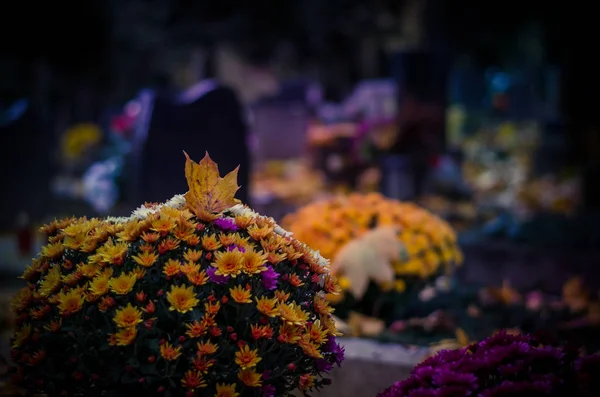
(450, 317)
(504, 125)
(196, 295)
(343, 135)
(504, 365)
(93, 160)
(423, 250)
(282, 177)
(292, 181)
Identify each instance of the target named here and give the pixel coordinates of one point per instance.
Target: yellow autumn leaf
(209, 194)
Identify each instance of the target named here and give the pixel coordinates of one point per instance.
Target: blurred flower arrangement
(79, 139)
(199, 295)
(503, 365)
(293, 181)
(428, 246)
(93, 160)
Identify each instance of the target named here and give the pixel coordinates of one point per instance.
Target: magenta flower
(269, 278)
(216, 278)
(502, 365)
(226, 224)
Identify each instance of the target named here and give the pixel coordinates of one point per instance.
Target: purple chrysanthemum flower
(523, 388)
(226, 224)
(453, 391)
(323, 365)
(235, 247)
(331, 346)
(422, 392)
(451, 378)
(269, 278)
(217, 279)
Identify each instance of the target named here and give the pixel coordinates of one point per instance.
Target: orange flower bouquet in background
(428, 246)
(196, 296)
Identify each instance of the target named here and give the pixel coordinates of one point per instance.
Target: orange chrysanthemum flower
(125, 336)
(228, 263)
(247, 358)
(210, 243)
(106, 304)
(171, 268)
(167, 245)
(322, 306)
(250, 378)
(317, 334)
(88, 270)
(170, 353)
(244, 221)
(226, 239)
(193, 240)
(295, 281)
(193, 380)
(163, 225)
(226, 390)
(113, 253)
(100, 285)
(202, 363)
(240, 294)
(182, 299)
(212, 308)
(261, 331)
(183, 232)
(150, 237)
(22, 299)
(306, 381)
(254, 262)
(197, 277)
(267, 306)
(282, 296)
(207, 348)
(309, 348)
(53, 251)
(129, 316)
(70, 302)
(54, 325)
(192, 255)
(146, 259)
(258, 233)
(123, 284)
(292, 313)
(289, 334)
(51, 282)
(196, 329)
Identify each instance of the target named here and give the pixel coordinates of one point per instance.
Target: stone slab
(370, 367)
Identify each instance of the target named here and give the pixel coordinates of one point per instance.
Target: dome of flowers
(501, 366)
(196, 296)
(429, 242)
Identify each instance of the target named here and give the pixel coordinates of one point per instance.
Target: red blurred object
(122, 124)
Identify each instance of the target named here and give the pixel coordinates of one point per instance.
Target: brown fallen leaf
(209, 194)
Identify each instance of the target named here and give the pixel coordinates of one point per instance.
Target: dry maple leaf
(209, 194)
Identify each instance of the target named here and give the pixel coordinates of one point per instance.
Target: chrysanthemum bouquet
(197, 296)
(429, 246)
(503, 365)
